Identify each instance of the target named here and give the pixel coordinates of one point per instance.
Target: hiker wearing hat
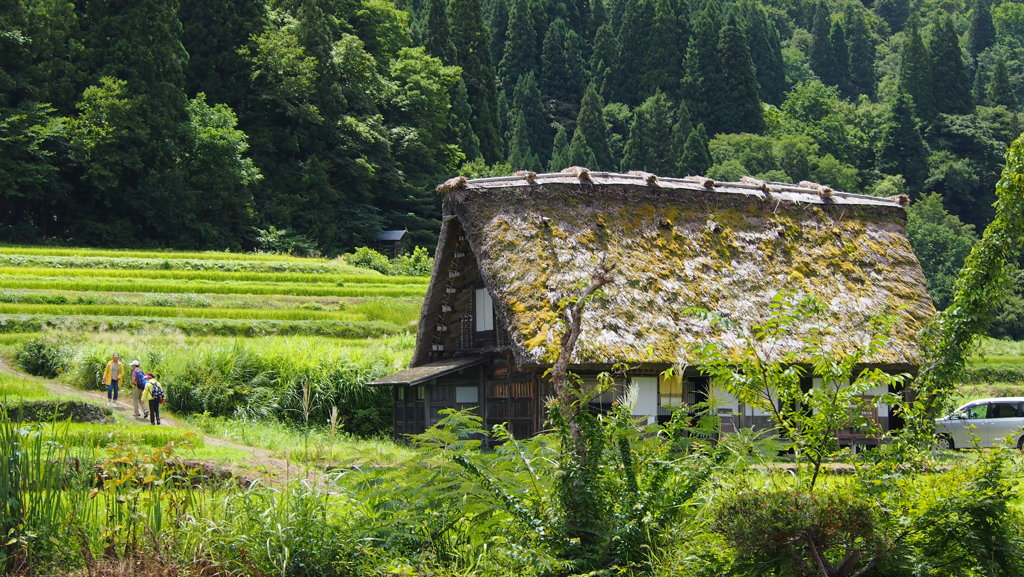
(139, 380)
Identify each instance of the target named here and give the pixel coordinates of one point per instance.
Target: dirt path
(261, 465)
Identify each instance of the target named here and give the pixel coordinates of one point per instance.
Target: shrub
(417, 263)
(796, 532)
(44, 356)
(366, 257)
(54, 411)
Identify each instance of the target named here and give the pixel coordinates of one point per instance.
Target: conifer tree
(950, 84)
(146, 52)
(520, 155)
(916, 72)
(766, 51)
(704, 70)
(981, 32)
(822, 56)
(527, 99)
(901, 148)
(559, 150)
(497, 19)
(460, 127)
(650, 136)
(604, 64)
(682, 126)
(894, 12)
(598, 16)
(579, 152)
(696, 158)
(653, 41)
(55, 56)
(591, 125)
(520, 52)
(616, 10)
(738, 103)
(840, 73)
(862, 55)
(635, 42)
(473, 54)
(437, 34)
(562, 78)
(999, 91)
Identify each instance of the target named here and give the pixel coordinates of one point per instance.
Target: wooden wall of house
(455, 326)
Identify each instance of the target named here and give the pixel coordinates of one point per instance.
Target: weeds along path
(261, 466)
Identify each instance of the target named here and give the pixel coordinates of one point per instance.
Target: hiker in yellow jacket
(113, 374)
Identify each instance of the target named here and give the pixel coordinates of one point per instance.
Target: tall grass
(303, 380)
(36, 502)
(317, 445)
(20, 388)
(140, 434)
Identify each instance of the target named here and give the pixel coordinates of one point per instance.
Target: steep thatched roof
(674, 244)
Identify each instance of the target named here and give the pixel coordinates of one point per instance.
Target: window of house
(646, 397)
(670, 389)
(467, 394)
(484, 311)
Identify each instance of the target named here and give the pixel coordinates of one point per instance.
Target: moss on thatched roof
(681, 243)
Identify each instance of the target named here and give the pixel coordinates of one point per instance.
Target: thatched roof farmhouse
(511, 248)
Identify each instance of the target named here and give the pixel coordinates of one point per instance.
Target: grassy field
(273, 353)
(228, 334)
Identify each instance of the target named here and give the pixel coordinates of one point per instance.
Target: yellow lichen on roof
(674, 249)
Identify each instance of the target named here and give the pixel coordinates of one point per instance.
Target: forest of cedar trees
(312, 125)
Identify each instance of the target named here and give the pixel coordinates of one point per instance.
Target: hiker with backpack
(138, 385)
(154, 395)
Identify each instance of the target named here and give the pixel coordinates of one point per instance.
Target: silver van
(982, 423)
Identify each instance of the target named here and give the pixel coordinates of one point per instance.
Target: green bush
(44, 356)
(54, 411)
(417, 263)
(787, 532)
(366, 257)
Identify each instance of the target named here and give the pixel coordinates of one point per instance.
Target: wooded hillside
(314, 124)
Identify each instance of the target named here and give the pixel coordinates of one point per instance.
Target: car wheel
(944, 443)
(1020, 444)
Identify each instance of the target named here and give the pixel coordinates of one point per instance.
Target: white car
(982, 423)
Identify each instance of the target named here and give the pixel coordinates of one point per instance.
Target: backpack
(157, 392)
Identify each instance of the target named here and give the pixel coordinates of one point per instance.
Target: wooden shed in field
(511, 248)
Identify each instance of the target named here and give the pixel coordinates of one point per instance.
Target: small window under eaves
(484, 309)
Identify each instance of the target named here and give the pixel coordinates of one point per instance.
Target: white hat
(135, 363)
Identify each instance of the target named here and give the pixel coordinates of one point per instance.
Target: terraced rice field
(44, 289)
